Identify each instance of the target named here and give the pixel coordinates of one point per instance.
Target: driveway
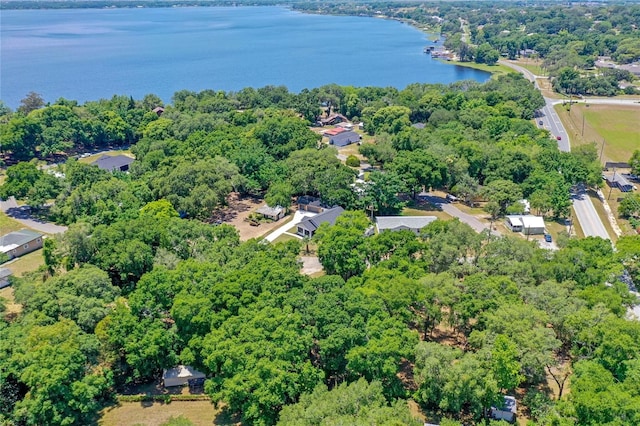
(452, 210)
(297, 218)
(22, 214)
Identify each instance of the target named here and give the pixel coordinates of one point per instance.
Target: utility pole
(583, 123)
(613, 181)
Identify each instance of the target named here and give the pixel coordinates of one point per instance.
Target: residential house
(15, 244)
(333, 119)
(399, 223)
(345, 125)
(274, 213)
(332, 132)
(310, 225)
(310, 204)
(527, 224)
(181, 375)
(633, 68)
(616, 180)
(344, 139)
(4, 277)
(116, 162)
(506, 412)
(158, 110)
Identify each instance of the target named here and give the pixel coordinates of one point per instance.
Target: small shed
(527, 224)
(505, 412)
(21, 242)
(181, 375)
(344, 139)
(274, 213)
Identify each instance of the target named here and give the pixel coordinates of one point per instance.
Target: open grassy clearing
(532, 65)
(200, 413)
(495, 70)
(616, 125)
(424, 211)
(27, 263)
(614, 196)
(8, 224)
(13, 308)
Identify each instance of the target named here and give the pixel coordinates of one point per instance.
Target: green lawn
(27, 263)
(495, 70)
(615, 125)
(7, 224)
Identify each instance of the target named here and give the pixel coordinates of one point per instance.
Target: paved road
(453, 211)
(587, 216)
(22, 214)
(586, 213)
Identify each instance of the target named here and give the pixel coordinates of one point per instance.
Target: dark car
(559, 138)
(547, 237)
(540, 122)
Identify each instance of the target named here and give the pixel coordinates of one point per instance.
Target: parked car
(547, 238)
(451, 198)
(540, 122)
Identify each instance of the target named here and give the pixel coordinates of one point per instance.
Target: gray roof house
(274, 213)
(110, 163)
(309, 225)
(344, 139)
(21, 242)
(399, 223)
(4, 277)
(616, 180)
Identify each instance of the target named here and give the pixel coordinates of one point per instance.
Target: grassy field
(410, 211)
(27, 263)
(615, 125)
(200, 413)
(7, 224)
(495, 70)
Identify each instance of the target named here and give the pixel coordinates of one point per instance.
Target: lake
(88, 54)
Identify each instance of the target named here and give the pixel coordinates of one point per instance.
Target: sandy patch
(238, 209)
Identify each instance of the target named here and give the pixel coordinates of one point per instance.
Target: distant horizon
(91, 54)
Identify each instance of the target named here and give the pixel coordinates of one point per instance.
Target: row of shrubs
(166, 399)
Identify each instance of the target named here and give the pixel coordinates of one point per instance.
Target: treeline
(132, 288)
(563, 37)
(478, 141)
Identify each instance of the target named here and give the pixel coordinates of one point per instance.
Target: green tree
(634, 162)
(503, 193)
(504, 363)
(358, 403)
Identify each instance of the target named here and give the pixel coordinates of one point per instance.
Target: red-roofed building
(333, 132)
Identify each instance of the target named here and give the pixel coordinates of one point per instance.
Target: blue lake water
(88, 54)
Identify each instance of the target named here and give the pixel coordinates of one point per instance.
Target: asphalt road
(22, 214)
(587, 216)
(586, 213)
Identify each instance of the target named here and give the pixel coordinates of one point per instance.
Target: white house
(527, 224)
(181, 375)
(399, 223)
